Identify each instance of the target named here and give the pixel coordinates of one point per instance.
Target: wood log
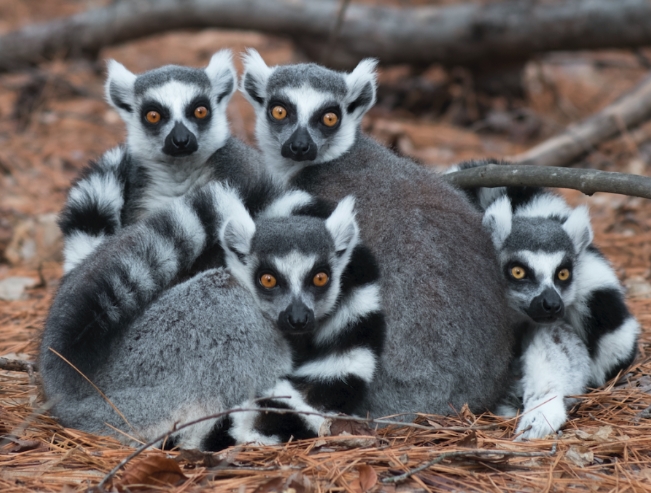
(464, 34)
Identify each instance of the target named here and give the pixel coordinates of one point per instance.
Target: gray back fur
(201, 348)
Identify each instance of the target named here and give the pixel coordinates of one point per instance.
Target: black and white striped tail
(94, 207)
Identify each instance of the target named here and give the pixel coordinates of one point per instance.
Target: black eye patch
(196, 103)
(163, 111)
(290, 108)
(317, 122)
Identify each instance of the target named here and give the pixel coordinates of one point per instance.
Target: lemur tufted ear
(119, 88)
(361, 84)
(222, 75)
(342, 225)
(254, 80)
(578, 228)
(235, 236)
(498, 220)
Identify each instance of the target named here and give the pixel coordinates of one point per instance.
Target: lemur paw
(539, 420)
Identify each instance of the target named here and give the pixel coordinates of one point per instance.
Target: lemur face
(306, 114)
(292, 265)
(538, 256)
(174, 114)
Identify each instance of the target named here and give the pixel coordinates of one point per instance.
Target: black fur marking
(344, 396)
(363, 100)
(153, 105)
(194, 104)
(522, 196)
(362, 269)
(258, 194)
(317, 118)
(227, 90)
(283, 426)
(117, 100)
(219, 438)
(607, 312)
(251, 88)
(318, 208)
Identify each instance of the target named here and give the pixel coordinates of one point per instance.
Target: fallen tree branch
(462, 34)
(581, 138)
(17, 365)
(588, 181)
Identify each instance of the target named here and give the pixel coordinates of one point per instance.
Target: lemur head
(306, 114)
(538, 255)
(174, 115)
(292, 265)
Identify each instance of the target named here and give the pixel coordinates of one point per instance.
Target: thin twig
(588, 181)
(466, 453)
(17, 365)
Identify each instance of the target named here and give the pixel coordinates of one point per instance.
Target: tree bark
(588, 181)
(465, 34)
(581, 138)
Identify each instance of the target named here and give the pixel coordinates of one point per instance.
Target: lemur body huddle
(203, 275)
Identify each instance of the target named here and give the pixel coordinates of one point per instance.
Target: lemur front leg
(555, 364)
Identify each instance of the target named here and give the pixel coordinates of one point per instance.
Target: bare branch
(588, 181)
(628, 112)
(462, 34)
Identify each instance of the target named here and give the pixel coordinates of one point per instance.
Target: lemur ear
(498, 220)
(222, 75)
(578, 228)
(236, 235)
(342, 225)
(119, 87)
(254, 80)
(361, 84)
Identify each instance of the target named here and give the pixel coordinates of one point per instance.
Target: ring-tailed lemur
(319, 285)
(449, 336)
(177, 138)
(576, 331)
(214, 348)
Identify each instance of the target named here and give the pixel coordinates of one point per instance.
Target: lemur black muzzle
(547, 307)
(296, 318)
(300, 146)
(180, 141)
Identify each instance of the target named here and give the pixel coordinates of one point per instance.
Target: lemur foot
(541, 418)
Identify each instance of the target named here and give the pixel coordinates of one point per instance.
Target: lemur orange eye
(518, 272)
(201, 112)
(278, 112)
(330, 119)
(563, 274)
(268, 281)
(153, 116)
(321, 279)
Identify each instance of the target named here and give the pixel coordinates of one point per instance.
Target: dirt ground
(54, 119)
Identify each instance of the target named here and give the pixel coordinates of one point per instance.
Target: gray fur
(163, 75)
(311, 237)
(449, 334)
(201, 343)
(316, 76)
(537, 234)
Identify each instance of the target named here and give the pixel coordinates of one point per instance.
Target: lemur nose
(298, 316)
(298, 321)
(552, 305)
(300, 147)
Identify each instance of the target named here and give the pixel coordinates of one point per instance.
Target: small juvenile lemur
(300, 317)
(177, 138)
(575, 330)
(449, 336)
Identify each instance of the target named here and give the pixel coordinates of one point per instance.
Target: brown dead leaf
(469, 441)
(296, 483)
(581, 456)
(367, 477)
(151, 471)
(341, 426)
